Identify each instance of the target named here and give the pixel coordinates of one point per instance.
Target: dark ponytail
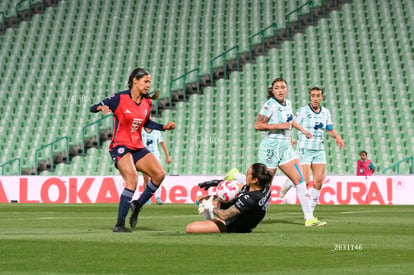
(260, 172)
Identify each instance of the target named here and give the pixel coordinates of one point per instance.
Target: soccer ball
(227, 190)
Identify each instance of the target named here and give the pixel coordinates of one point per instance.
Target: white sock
(304, 200)
(240, 178)
(314, 198)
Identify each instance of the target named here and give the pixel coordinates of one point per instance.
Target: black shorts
(119, 151)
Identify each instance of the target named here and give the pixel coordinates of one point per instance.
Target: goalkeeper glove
(206, 208)
(207, 184)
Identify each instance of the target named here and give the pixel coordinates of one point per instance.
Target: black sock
(147, 194)
(124, 205)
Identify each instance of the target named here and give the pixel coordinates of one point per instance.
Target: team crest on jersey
(135, 125)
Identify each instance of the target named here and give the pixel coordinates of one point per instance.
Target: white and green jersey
(316, 124)
(151, 141)
(277, 114)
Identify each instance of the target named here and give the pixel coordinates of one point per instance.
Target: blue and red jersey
(129, 118)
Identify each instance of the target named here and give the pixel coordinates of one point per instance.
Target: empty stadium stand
(78, 52)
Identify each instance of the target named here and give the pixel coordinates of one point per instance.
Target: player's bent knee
(158, 177)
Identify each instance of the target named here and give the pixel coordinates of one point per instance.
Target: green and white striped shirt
(277, 114)
(316, 124)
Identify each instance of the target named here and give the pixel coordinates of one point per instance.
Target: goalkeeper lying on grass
(244, 213)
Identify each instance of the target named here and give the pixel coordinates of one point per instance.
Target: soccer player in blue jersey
(131, 109)
(151, 139)
(244, 213)
(276, 151)
(316, 119)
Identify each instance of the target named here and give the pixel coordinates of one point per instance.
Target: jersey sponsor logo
(264, 201)
(135, 125)
(239, 204)
(318, 125)
(289, 118)
(149, 142)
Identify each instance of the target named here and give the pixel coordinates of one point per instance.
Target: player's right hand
(210, 183)
(105, 109)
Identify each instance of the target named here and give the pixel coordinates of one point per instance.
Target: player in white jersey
(151, 139)
(315, 119)
(276, 120)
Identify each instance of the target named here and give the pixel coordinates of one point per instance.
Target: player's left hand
(339, 142)
(168, 160)
(307, 134)
(169, 126)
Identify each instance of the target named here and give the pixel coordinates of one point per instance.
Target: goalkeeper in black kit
(244, 213)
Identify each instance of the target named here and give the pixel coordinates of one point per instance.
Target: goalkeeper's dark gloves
(210, 183)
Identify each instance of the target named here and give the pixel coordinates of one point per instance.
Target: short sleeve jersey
(151, 140)
(129, 118)
(277, 114)
(253, 207)
(316, 124)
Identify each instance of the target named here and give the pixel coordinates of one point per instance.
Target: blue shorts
(276, 153)
(119, 151)
(309, 156)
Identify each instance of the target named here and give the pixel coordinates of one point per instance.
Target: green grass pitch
(78, 239)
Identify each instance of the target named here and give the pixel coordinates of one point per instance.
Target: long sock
(124, 205)
(304, 200)
(240, 178)
(147, 194)
(314, 198)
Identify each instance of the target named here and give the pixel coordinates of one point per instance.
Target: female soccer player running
(245, 213)
(316, 119)
(276, 119)
(131, 109)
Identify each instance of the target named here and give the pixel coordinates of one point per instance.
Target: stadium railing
(18, 6)
(19, 166)
(262, 34)
(225, 66)
(325, 5)
(299, 12)
(98, 129)
(184, 78)
(396, 166)
(51, 145)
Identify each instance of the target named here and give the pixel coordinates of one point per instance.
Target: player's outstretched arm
(338, 140)
(210, 183)
(296, 125)
(228, 213)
